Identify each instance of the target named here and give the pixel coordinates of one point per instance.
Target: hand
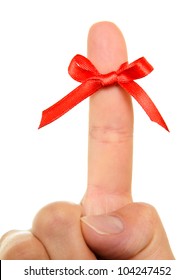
(107, 224)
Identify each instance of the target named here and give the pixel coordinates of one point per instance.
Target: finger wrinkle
(110, 134)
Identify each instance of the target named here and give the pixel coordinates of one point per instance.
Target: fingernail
(103, 224)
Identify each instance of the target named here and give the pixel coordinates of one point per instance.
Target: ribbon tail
(61, 107)
(146, 103)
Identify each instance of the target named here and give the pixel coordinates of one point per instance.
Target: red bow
(82, 70)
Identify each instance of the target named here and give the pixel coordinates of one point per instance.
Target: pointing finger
(110, 127)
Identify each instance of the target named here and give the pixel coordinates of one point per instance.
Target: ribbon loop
(82, 70)
(135, 70)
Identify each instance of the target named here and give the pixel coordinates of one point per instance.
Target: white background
(38, 40)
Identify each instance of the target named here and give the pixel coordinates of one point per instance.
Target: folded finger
(21, 245)
(57, 226)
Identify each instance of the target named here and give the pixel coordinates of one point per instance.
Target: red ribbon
(82, 70)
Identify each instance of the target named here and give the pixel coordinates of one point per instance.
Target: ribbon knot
(82, 70)
(109, 79)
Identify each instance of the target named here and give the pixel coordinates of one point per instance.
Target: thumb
(132, 232)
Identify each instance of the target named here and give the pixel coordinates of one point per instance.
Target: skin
(107, 224)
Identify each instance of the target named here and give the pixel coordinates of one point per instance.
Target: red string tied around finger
(82, 70)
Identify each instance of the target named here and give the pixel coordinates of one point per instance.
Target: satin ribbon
(82, 70)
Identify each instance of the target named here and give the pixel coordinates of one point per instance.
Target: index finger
(110, 127)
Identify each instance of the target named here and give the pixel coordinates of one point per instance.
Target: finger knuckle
(55, 217)
(16, 246)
